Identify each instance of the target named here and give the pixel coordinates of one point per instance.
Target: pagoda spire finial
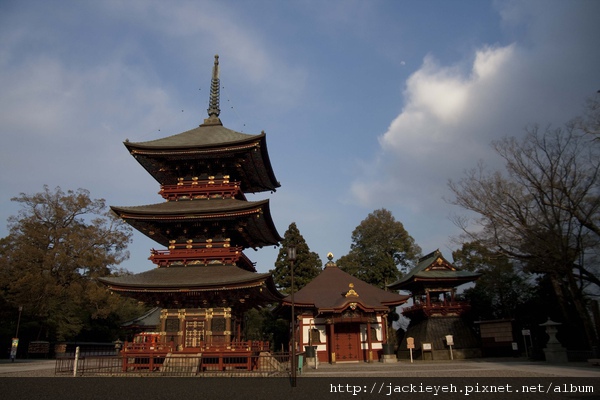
(213, 106)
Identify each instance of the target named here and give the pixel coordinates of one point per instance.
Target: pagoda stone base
(433, 331)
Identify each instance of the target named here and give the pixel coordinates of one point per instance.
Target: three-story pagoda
(203, 281)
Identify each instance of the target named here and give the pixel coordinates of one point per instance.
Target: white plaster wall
(315, 323)
(319, 323)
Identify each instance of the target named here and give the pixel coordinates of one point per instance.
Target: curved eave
(191, 209)
(182, 281)
(257, 215)
(203, 137)
(345, 303)
(189, 279)
(449, 279)
(417, 280)
(254, 147)
(182, 288)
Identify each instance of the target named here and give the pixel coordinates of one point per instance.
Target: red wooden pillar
(369, 343)
(331, 342)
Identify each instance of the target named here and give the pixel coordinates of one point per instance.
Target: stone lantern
(554, 351)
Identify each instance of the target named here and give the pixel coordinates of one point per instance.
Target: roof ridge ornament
(351, 292)
(330, 263)
(213, 106)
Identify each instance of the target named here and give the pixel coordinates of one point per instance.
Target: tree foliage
(380, 246)
(59, 243)
(263, 324)
(306, 267)
(544, 211)
(501, 290)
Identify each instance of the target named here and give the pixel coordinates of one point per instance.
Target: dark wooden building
(344, 317)
(203, 281)
(436, 311)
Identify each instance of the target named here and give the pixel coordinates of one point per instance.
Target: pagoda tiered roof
(205, 221)
(247, 223)
(209, 150)
(184, 284)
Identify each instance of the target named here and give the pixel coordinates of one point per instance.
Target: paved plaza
(498, 367)
(463, 368)
(505, 378)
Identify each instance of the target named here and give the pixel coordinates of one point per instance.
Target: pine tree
(306, 267)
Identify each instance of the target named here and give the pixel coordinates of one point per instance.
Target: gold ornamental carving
(351, 292)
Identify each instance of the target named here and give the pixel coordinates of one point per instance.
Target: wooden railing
(164, 258)
(152, 356)
(438, 308)
(205, 347)
(201, 189)
(159, 347)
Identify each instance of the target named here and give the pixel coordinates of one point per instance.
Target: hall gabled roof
(334, 290)
(433, 268)
(247, 223)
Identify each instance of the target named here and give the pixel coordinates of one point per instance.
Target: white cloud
(440, 101)
(440, 130)
(451, 113)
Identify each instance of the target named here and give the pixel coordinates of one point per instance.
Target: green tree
(543, 212)
(59, 243)
(264, 324)
(501, 290)
(380, 246)
(306, 267)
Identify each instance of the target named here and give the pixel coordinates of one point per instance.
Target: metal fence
(580, 355)
(87, 365)
(214, 364)
(68, 349)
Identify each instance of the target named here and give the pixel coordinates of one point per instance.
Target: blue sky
(366, 104)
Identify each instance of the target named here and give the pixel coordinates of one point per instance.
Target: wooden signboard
(39, 347)
(410, 344)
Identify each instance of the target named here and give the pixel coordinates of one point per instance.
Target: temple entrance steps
(181, 364)
(267, 362)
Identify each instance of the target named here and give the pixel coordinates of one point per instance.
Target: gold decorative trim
(351, 292)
